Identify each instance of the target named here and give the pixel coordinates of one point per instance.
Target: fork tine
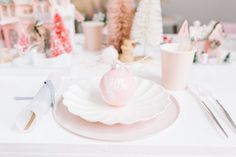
(226, 114)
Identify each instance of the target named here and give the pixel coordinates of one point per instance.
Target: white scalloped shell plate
(83, 99)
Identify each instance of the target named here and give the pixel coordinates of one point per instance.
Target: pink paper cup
(93, 35)
(176, 66)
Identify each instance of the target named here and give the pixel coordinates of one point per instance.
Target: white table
(192, 134)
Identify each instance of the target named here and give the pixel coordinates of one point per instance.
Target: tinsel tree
(60, 41)
(120, 17)
(147, 27)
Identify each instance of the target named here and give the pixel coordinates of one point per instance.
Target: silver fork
(208, 94)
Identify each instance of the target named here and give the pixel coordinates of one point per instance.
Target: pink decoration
(60, 42)
(56, 47)
(184, 38)
(79, 16)
(25, 13)
(23, 42)
(167, 39)
(13, 12)
(117, 86)
(214, 43)
(184, 32)
(120, 16)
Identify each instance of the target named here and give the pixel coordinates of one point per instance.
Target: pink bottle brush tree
(23, 42)
(120, 15)
(60, 41)
(56, 47)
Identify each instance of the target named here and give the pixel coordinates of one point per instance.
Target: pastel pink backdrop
(229, 28)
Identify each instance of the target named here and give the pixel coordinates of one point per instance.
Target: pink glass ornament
(117, 86)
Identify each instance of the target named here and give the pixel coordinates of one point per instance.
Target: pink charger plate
(118, 132)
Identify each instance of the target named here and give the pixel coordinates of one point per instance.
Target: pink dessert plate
(117, 132)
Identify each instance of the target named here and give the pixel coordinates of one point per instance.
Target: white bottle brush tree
(147, 28)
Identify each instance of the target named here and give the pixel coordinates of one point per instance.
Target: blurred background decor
(24, 23)
(175, 11)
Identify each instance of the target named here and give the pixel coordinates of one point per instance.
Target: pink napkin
(184, 37)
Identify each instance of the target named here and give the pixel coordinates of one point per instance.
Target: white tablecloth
(192, 134)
